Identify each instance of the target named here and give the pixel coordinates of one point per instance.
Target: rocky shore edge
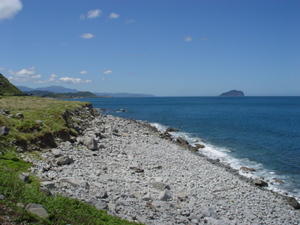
(131, 169)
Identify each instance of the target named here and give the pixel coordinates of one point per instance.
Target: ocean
(258, 132)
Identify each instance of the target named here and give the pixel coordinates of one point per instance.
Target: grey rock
(38, 210)
(56, 152)
(160, 186)
(247, 169)
(19, 116)
(112, 207)
(4, 131)
(39, 122)
(147, 197)
(208, 212)
(101, 205)
(64, 160)
(199, 146)
(90, 143)
(213, 221)
(171, 129)
(136, 168)
(24, 177)
(185, 212)
(46, 191)
(102, 194)
(181, 196)
(293, 202)
(165, 195)
(194, 221)
(260, 183)
(2, 197)
(75, 183)
(182, 141)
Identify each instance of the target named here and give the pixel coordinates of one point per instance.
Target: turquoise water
(260, 132)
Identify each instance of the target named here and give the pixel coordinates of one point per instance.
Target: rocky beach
(137, 173)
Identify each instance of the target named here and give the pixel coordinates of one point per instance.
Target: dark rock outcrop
(233, 93)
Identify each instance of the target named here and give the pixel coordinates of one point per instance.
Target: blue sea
(257, 132)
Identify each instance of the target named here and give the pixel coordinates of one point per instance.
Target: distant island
(233, 93)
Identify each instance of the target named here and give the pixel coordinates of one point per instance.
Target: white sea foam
(223, 154)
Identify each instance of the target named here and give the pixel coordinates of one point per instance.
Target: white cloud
(83, 72)
(25, 71)
(52, 77)
(87, 36)
(107, 72)
(188, 39)
(9, 8)
(94, 13)
(204, 38)
(114, 16)
(74, 80)
(25, 75)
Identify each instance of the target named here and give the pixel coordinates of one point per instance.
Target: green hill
(6, 88)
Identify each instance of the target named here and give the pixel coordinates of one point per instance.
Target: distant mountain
(123, 95)
(80, 94)
(233, 93)
(25, 89)
(39, 93)
(46, 91)
(7, 88)
(53, 89)
(57, 89)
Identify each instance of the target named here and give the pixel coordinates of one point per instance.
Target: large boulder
(247, 169)
(260, 183)
(90, 142)
(165, 195)
(293, 202)
(171, 129)
(37, 210)
(181, 141)
(56, 152)
(64, 160)
(101, 205)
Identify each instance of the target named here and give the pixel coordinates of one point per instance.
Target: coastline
(127, 148)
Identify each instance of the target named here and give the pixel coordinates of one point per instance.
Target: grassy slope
(6, 88)
(49, 111)
(62, 210)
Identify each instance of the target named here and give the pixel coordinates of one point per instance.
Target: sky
(160, 47)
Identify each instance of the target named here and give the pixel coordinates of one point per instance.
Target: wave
(224, 156)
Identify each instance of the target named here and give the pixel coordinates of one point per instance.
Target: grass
(62, 210)
(41, 116)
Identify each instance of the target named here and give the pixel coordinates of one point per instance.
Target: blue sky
(162, 47)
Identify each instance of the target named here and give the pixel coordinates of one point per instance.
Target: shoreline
(126, 149)
(165, 134)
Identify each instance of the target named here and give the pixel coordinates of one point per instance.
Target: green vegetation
(42, 118)
(61, 210)
(7, 89)
(80, 94)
